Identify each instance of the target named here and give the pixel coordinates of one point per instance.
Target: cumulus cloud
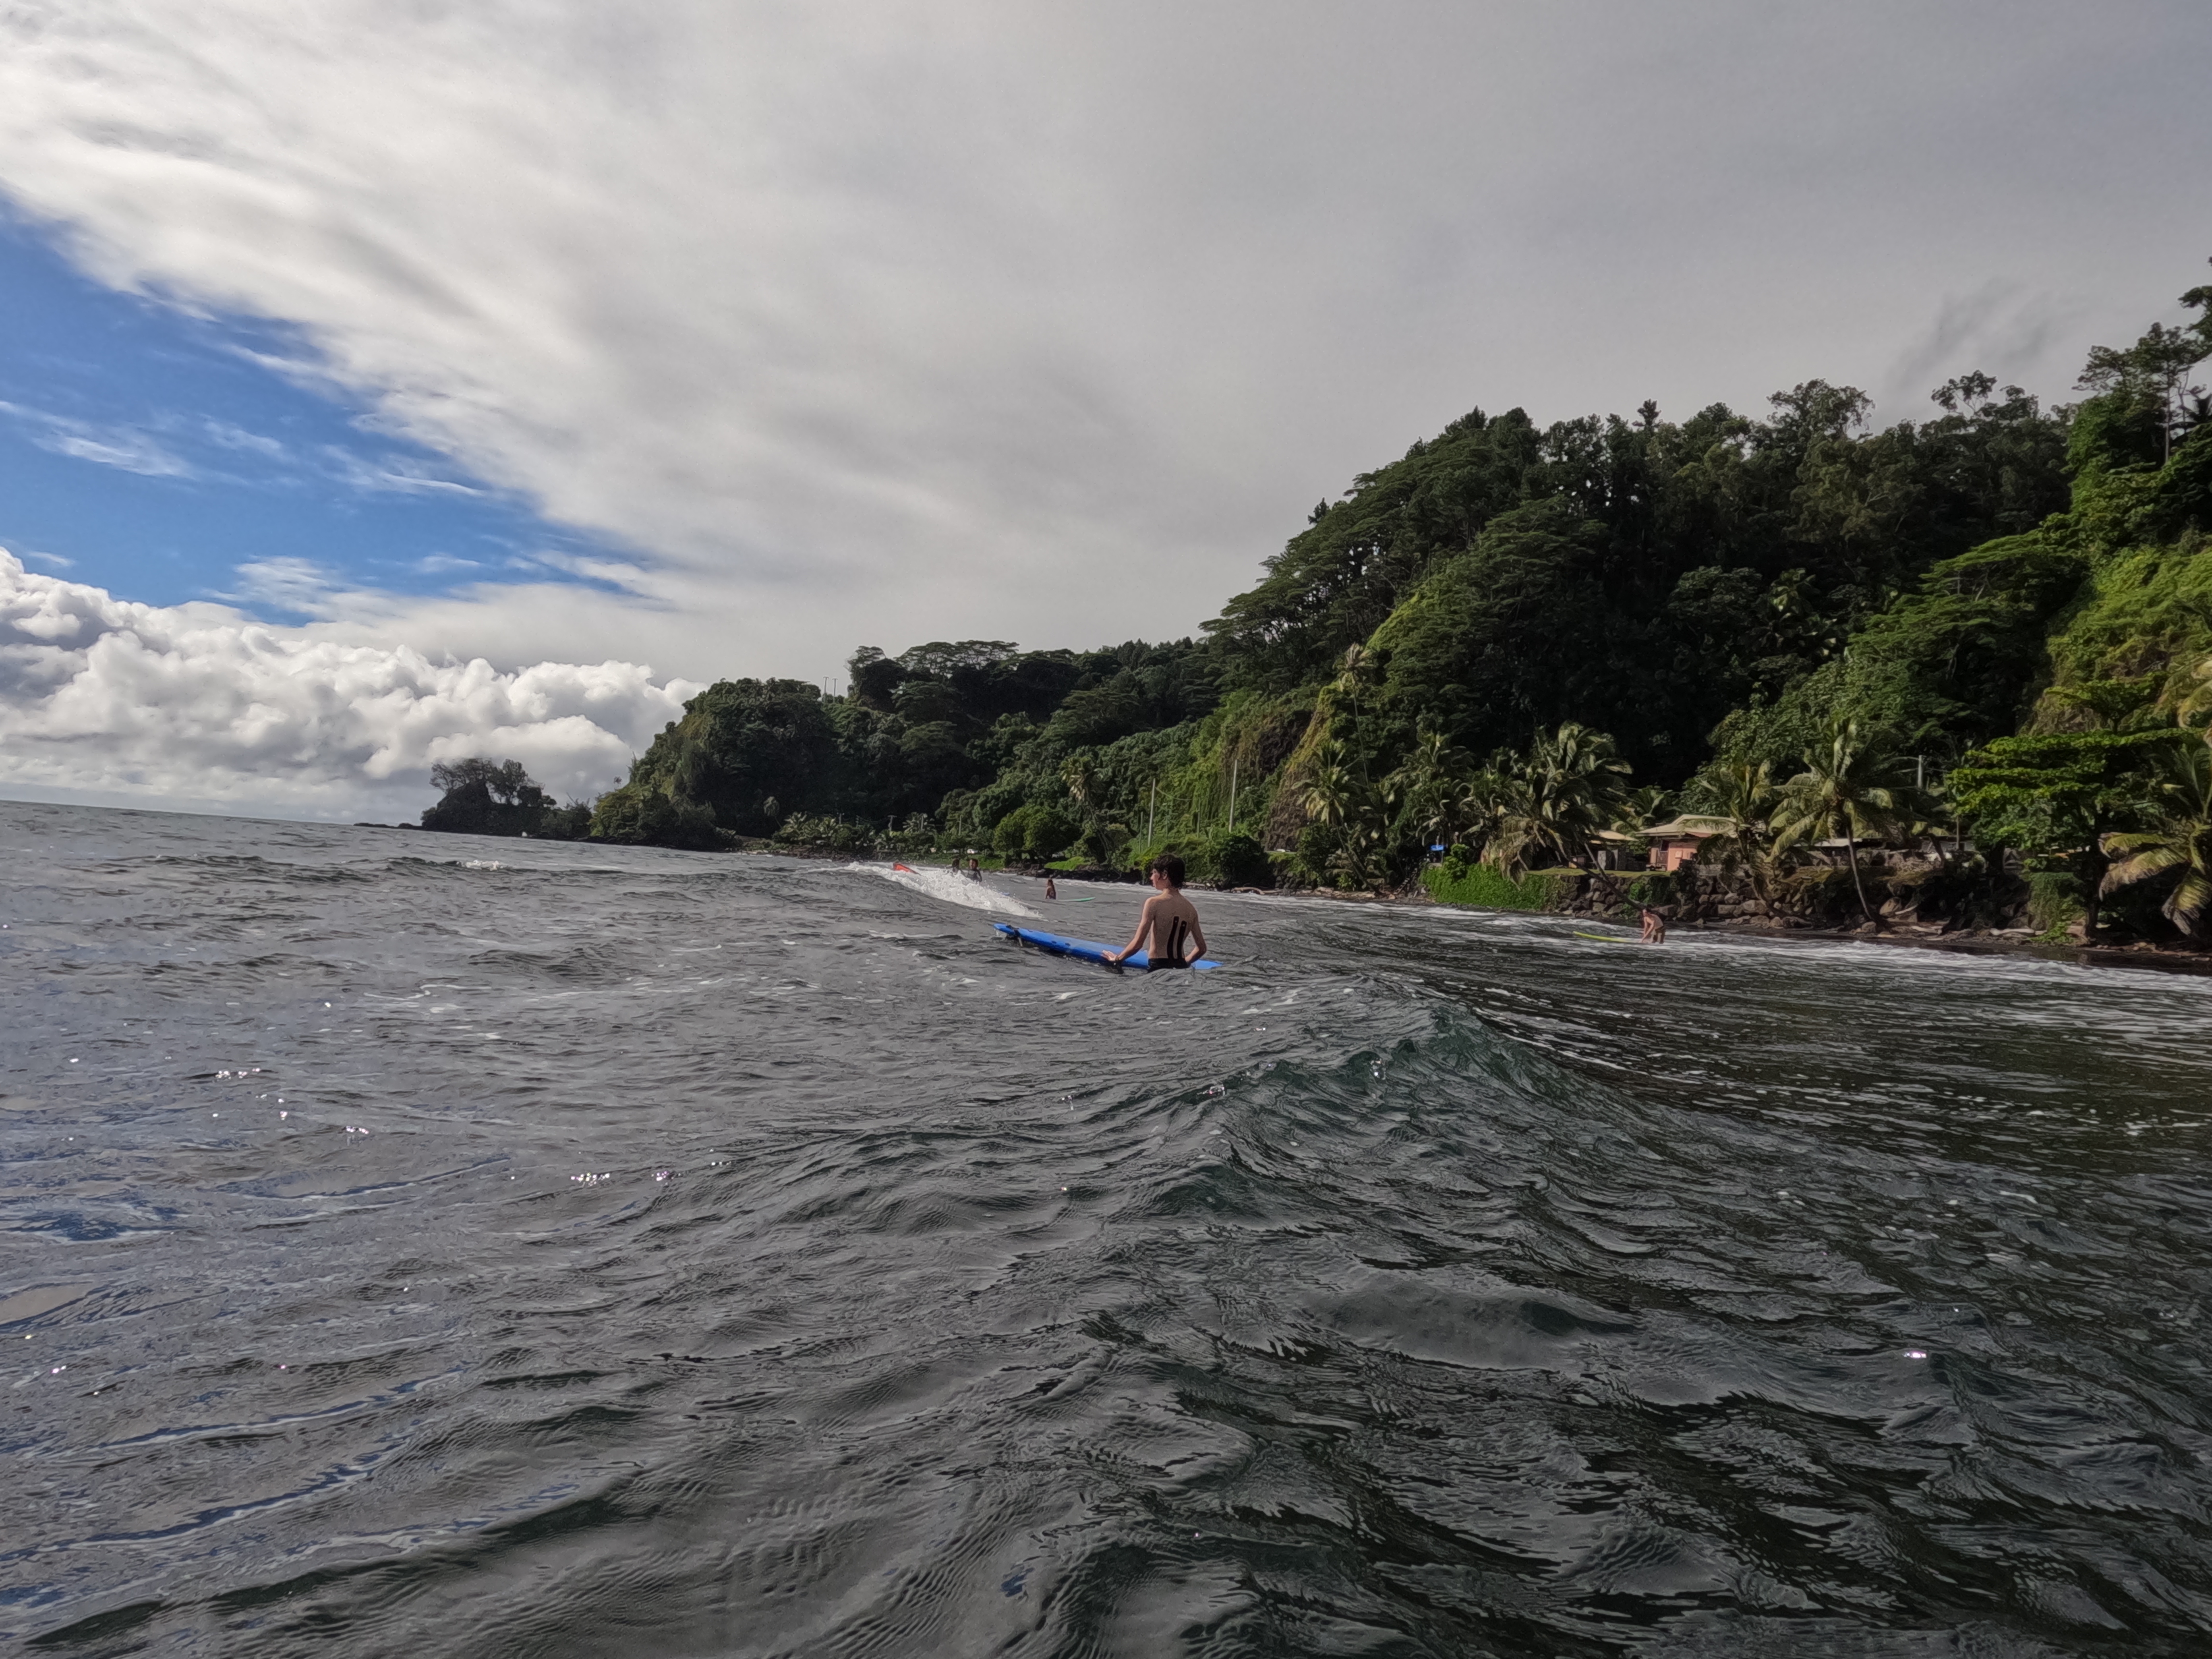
(875, 322)
(102, 698)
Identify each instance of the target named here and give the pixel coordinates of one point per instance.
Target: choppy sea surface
(428, 1245)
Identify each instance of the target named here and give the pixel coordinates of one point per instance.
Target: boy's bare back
(1168, 931)
(1162, 912)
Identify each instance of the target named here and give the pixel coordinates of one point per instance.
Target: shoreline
(2151, 958)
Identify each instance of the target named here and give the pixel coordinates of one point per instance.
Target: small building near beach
(1612, 850)
(1675, 843)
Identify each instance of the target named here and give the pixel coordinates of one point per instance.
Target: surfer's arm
(1143, 926)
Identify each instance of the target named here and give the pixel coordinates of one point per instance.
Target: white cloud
(298, 586)
(226, 435)
(121, 446)
(877, 322)
(103, 699)
(389, 474)
(129, 452)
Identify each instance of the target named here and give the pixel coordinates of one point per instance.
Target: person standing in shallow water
(1051, 891)
(1654, 926)
(1168, 931)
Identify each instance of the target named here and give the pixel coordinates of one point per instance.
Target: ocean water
(428, 1245)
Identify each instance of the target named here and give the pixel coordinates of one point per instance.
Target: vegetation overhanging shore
(1956, 671)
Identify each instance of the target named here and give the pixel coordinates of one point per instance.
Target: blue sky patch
(154, 454)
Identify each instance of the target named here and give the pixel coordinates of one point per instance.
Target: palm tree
(2180, 840)
(1421, 788)
(2199, 700)
(1358, 672)
(1741, 798)
(1640, 808)
(1849, 787)
(1365, 855)
(1477, 806)
(1339, 798)
(1080, 772)
(1562, 795)
(1332, 791)
(1518, 828)
(1430, 761)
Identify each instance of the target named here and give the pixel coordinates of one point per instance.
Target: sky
(385, 383)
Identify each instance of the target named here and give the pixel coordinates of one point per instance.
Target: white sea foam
(954, 888)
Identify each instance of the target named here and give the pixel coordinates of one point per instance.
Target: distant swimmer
(1051, 889)
(1654, 926)
(1168, 931)
(974, 869)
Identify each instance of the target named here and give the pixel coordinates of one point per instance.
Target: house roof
(1688, 827)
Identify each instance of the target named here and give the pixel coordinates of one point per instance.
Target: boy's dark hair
(1169, 866)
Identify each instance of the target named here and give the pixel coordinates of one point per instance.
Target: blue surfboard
(1083, 950)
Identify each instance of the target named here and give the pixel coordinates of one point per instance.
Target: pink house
(1675, 844)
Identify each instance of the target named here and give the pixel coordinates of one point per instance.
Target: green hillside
(1513, 637)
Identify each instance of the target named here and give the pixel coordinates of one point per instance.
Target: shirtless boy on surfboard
(1169, 921)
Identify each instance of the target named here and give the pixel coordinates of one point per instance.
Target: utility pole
(1151, 815)
(1232, 794)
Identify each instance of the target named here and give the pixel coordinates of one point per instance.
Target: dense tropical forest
(1518, 642)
